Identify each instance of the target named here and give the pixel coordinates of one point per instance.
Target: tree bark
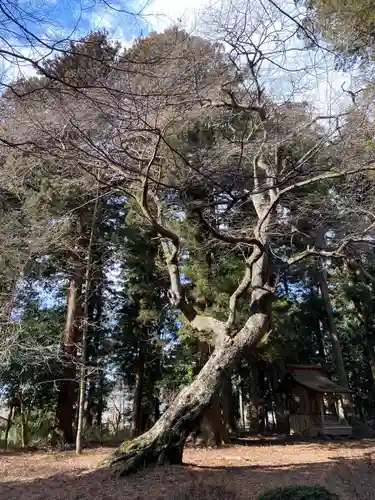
(83, 360)
(282, 414)
(24, 425)
(67, 398)
(335, 341)
(95, 328)
(81, 396)
(229, 420)
(90, 403)
(9, 425)
(67, 394)
(85, 331)
(165, 440)
(255, 424)
(212, 429)
(100, 409)
(213, 424)
(319, 330)
(138, 393)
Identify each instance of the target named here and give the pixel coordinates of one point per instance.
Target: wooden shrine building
(313, 402)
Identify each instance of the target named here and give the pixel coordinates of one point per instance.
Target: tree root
(135, 455)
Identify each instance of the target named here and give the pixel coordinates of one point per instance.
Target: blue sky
(125, 20)
(58, 20)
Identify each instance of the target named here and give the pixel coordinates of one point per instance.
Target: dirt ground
(248, 468)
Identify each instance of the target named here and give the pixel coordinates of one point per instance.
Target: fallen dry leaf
(249, 468)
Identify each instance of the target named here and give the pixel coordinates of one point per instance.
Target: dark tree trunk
(282, 414)
(100, 407)
(138, 393)
(91, 352)
(320, 335)
(164, 442)
(95, 334)
(9, 425)
(227, 406)
(212, 429)
(263, 387)
(24, 425)
(213, 424)
(68, 391)
(156, 409)
(90, 408)
(65, 413)
(254, 406)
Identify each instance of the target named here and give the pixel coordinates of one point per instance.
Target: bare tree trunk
(212, 431)
(254, 398)
(320, 330)
(82, 394)
(282, 414)
(100, 408)
(95, 319)
(165, 440)
(138, 392)
(227, 408)
(212, 428)
(89, 416)
(85, 328)
(336, 346)
(24, 425)
(9, 425)
(65, 413)
(67, 392)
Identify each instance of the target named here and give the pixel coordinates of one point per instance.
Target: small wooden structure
(314, 402)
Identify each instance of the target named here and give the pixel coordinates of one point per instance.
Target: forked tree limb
(170, 243)
(338, 252)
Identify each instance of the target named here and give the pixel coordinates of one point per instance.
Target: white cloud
(120, 26)
(163, 13)
(156, 15)
(19, 65)
(323, 90)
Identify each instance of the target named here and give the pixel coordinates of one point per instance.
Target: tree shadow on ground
(351, 479)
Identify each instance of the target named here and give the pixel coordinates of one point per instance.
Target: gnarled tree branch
(242, 288)
(338, 252)
(228, 238)
(170, 242)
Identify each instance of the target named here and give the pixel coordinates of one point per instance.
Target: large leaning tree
(215, 132)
